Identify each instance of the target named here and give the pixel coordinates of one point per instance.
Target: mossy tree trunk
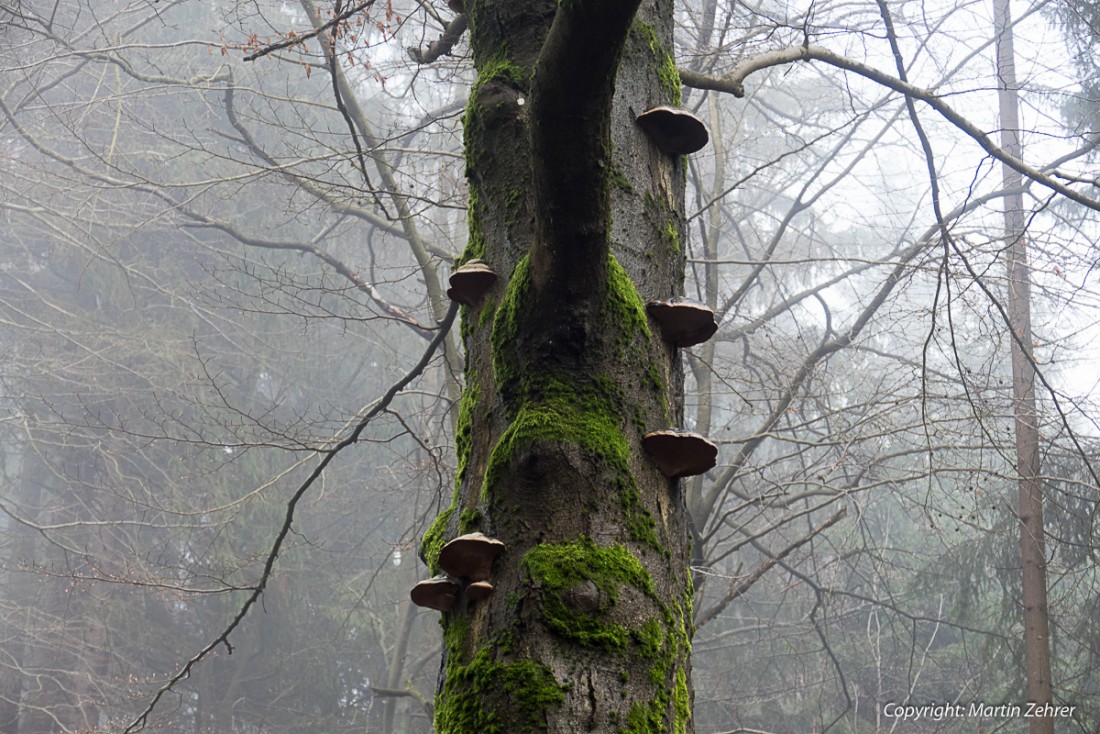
(589, 628)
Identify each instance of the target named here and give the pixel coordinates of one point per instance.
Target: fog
(229, 371)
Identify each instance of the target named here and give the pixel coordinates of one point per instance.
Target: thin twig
(329, 48)
(318, 30)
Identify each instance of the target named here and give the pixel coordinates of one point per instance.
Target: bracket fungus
(683, 322)
(470, 281)
(457, 6)
(470, 556)
(438, 592)
(680, 453)
(479, 590)
(674, 131)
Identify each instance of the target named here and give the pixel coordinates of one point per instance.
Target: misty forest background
(212, 270)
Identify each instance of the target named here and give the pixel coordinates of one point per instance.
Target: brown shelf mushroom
(470, 281)
(457, 6)
(674, 131)
(680, 453)
(437, 593)
(683, 322)
(479, 590)
(470, 556)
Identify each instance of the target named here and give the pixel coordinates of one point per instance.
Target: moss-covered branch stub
(579, 586)
(495, 114)
(568, 574)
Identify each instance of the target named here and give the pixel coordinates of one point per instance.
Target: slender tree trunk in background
(397, 667)
(702, 361)
(580, 215)
(24, 652)
(1032, 546)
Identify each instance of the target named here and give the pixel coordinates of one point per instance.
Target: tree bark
(1032, 541)
(580, 215)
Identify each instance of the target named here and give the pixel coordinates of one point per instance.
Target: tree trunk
(397, 668)
(1032, 553)
(589, 627)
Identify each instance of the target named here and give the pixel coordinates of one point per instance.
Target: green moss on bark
(480, 107)
(671, 237)
(475, 242)
(640, 524)
(651, 638)
(469, 520)
(550, 406)
(623, 313)
(434, 538)
(618, 180)
(486, 318)
(681, 699)
(456, 635)
(625, 304)
(555, 568)
(667, 646)
(505, 323)
(660, 643)
(493, 697)
(668, 76)
(501, 69)
(579, 416)
(464, 428)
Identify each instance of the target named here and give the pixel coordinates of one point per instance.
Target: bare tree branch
(733, 83)
(442, 45)
(298, 39)
(335, 263)
(288, 518)
(746, 583)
